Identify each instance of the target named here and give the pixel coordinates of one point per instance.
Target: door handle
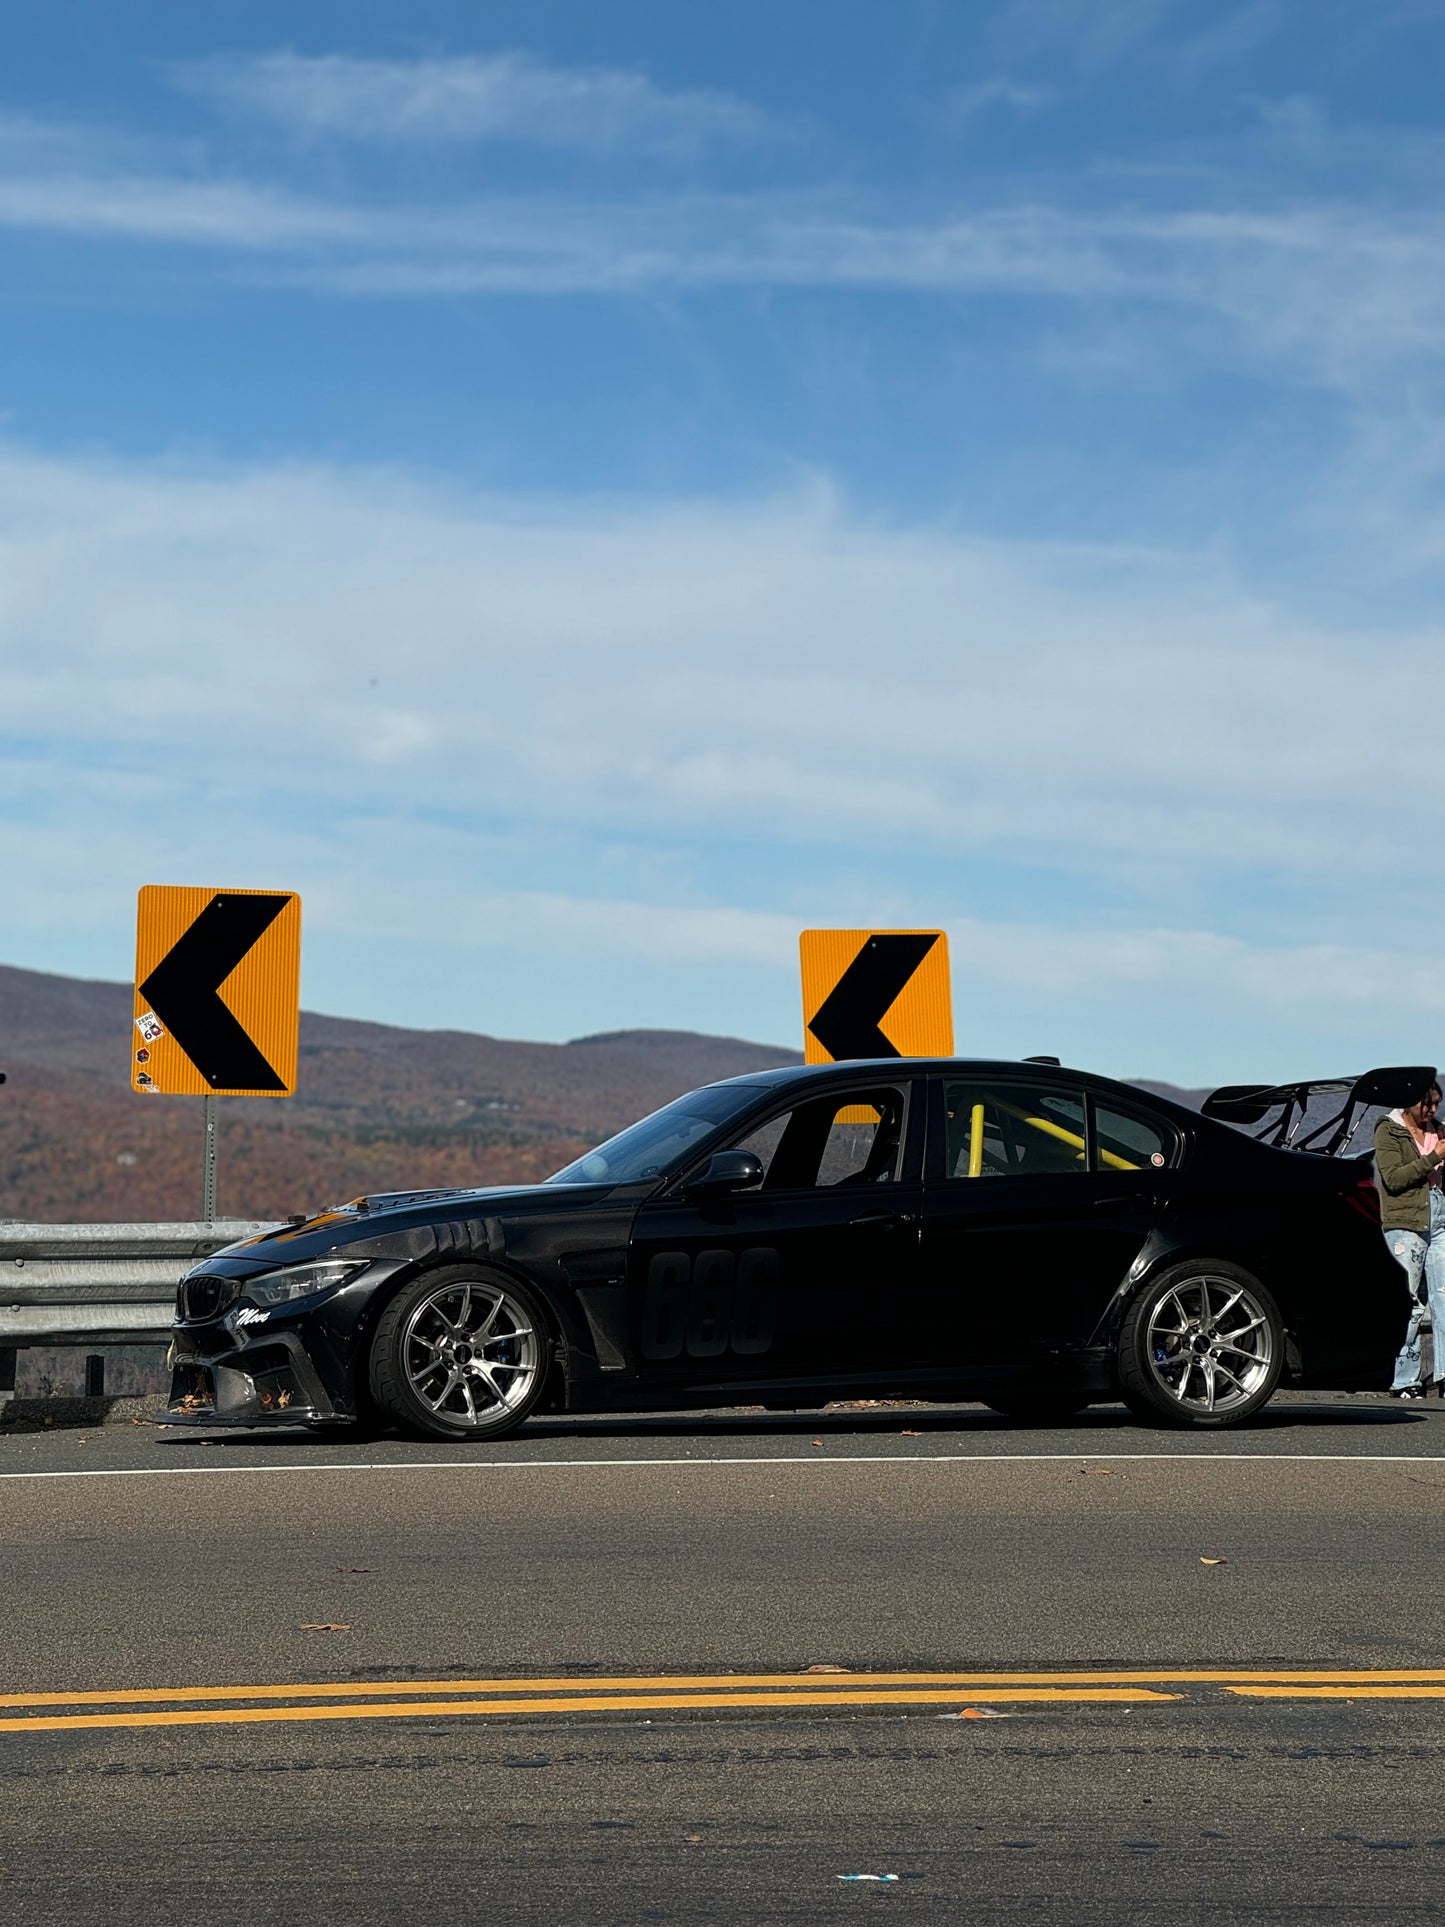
(881, 1220)
(1132, 1201)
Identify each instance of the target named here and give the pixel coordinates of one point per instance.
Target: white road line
(702, 1465)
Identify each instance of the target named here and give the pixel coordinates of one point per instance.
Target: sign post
(217, 1000)
(875, 993)
(208, 1177)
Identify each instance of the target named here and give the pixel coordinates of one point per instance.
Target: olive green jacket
(1403, 1178)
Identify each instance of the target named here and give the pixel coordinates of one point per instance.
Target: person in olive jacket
(1410, 1178)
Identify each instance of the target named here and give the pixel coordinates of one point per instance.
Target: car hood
(402, 1224)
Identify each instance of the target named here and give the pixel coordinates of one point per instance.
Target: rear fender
(1165, 1249)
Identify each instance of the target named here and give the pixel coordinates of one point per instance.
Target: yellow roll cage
(1046, 1125)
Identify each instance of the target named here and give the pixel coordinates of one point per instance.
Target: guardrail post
(7, 1372)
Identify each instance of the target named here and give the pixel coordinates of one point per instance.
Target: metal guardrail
(100, 1284)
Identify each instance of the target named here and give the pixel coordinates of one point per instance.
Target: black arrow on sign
(182, 991)
(847, 1021)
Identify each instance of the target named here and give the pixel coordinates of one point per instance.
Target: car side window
(999, 1130)
(1126, 1142)
(832, 1140)
(764, 1141)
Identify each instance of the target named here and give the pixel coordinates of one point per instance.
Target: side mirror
(727, 1171)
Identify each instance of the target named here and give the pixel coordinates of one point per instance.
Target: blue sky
(583, 492)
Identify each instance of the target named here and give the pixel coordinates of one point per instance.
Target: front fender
(570, 1354)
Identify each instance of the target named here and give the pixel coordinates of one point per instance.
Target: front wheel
(460, 1354)
(1202, 1346)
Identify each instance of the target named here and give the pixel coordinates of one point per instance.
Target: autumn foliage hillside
(377, 1108)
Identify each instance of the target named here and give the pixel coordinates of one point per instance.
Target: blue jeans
(1423, 1259)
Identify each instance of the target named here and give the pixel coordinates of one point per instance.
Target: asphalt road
(587, 1576)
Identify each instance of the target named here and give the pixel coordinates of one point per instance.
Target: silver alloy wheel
(470, 1352)
(1209, 1344)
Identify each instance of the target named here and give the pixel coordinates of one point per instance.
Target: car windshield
(648, 1148)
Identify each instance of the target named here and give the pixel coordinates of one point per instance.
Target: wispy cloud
(1093, 34)
(499, 97)
(967, 103)
(1332, 289)
(1235, 34)
(212, 214)
(1091, 37)
(1336, 289)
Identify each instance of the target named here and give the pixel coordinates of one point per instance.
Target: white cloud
(782, 670)
(555, 766)
(506, 96)
(1191, 968)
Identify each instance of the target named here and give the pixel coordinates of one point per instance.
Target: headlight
(302, 1281)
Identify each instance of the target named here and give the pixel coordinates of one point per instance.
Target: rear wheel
(460, 1354)
(1203, 1345)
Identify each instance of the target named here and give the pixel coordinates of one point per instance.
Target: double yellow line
(656, 1693)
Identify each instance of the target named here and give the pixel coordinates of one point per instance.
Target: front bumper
(267, 1380)
(236, 1362)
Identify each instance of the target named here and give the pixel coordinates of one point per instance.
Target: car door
(801, 1278)
(1038, 1198)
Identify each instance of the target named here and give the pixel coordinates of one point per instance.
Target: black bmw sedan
(1032, 1237)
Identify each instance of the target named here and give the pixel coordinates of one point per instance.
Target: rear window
(999, 1129)
(1129, 1142)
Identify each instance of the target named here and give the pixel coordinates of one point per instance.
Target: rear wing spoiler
(1284, 1109)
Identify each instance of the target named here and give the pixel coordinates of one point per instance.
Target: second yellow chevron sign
(876, 993)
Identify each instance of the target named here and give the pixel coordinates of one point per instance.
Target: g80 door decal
(709, 1306)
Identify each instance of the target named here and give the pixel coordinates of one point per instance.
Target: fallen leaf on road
(910, 1435)
(324, 1626)
(1212, 1562)
(824, 1667)
(817, 1441)
(978, 1713)
(692, 1838)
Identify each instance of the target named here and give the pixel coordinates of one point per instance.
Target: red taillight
(1365, 1199)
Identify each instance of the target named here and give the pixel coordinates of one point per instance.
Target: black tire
(433, 1370)
(1224, 1363)
(1037, 1408)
